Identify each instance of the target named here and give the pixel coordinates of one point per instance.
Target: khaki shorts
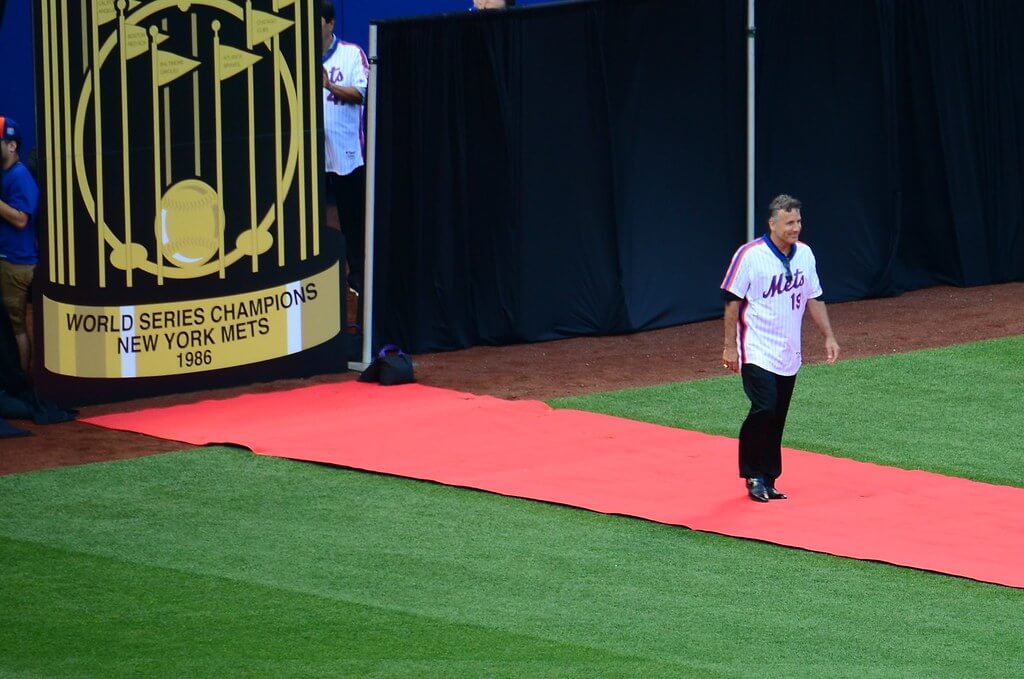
(15, 280)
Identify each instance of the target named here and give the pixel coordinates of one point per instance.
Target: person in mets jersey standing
(770, 282)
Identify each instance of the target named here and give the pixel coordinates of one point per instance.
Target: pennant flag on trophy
(172, 66)
(233, 61)
(137, 41)
(106, 10)
(265, 26)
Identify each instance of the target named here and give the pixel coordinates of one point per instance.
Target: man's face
(489, 4)
(326, 30)
(785, 226)
(8, 153)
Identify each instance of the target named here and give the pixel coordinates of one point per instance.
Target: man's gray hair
(782, 202)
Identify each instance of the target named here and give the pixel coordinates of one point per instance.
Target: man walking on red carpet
(771, 281)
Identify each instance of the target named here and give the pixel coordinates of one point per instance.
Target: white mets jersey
(344, 131)
(772, 302)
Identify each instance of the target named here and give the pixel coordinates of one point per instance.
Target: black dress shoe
(774, 494)
(756, 490)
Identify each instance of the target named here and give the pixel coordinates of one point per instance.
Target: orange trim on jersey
(730, 275)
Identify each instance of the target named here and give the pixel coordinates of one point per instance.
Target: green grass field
(220, 563)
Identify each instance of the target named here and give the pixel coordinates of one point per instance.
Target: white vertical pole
(371, 163)
(751, 28)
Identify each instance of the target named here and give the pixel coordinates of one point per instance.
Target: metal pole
(371, 180)
(751, 29)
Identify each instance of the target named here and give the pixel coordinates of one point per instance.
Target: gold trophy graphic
(181, 140)
(190, 236)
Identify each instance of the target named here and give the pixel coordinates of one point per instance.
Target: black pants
(761, 433)
(350, 197)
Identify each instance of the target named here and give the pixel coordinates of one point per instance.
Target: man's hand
(819, 314)
(731, 359)
(831, 350)
(326, 79)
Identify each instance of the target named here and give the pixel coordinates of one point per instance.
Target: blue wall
(16, 96)
(17, 99)
(357, 14)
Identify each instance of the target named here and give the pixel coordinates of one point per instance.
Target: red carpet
(606, 464)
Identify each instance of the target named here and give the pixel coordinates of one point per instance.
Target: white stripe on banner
(128, 357)
(295, 318)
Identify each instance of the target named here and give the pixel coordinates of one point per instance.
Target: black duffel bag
(392, 366)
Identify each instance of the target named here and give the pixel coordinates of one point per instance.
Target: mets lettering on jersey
(344, 132)
(772, 302)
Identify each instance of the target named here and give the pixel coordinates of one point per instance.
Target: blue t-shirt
(19, 190)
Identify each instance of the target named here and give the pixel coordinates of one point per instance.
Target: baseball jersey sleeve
(359, 72)
(813, 283)
(737, 278)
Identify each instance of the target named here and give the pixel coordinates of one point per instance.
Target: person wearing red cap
(19, 199)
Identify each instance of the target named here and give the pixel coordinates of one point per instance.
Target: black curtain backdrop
(900, 124)
(580, 169)
(826, 135)
(558, 171)
(961, 79)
